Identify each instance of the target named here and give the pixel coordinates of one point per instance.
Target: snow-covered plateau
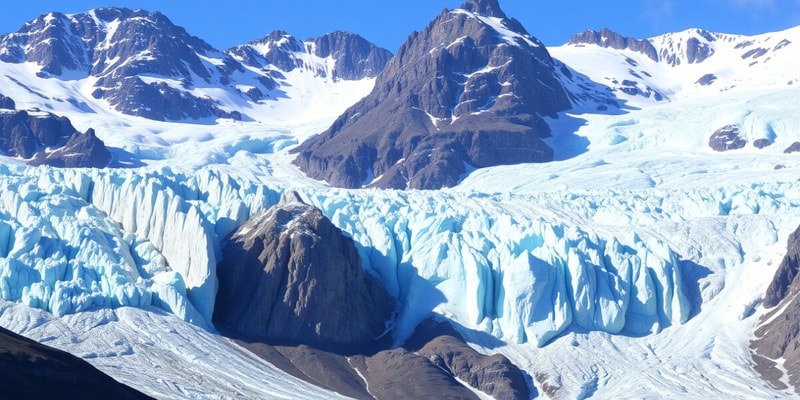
(632, 266)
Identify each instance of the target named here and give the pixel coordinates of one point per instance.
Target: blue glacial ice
(523, 268)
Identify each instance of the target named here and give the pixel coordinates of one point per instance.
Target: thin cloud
(659, 12)
(752, 3)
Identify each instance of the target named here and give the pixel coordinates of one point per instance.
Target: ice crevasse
(507, 271)
(506, 265)
(72, 240)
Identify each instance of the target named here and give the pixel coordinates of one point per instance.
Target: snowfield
(633, 266)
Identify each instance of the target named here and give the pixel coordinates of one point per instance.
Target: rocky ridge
(42, 138)
(607, 38)
(289, 276)
(776, 347)
(143, 65)
(352, 56)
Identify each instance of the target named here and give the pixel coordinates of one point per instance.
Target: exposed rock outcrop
(692, 46)
(433, 363)
(727, 138)
(706, 79)
(469, 90)
(7, 103)
(289, 276)
(443, 346)
(44, 138)
(31, 370)
(293, 291)
(793, 148)
(607, 38)
(779, 337)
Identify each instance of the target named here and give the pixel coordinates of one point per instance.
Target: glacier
(521, 267)
(637, 228)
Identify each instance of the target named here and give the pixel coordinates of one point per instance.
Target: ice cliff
(508, 265)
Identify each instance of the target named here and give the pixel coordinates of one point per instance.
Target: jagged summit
(469, 91)
(489, 8)
(353, 57)
(610, 39)
(139, 63)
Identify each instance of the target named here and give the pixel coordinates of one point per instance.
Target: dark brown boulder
(289, 276)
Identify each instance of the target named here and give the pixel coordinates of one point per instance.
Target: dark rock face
(793, 148)
(458, 93)
(427, 366)
(31, 370)
(289, 276)
(706, 79)
(780, 337)
(762, 143)
(48, 139)
(696, 49)
(354, 57)
(607, 38)
(727, 138)
(443, 346)
(7, 103)
(293, 291)
(82, 150)
(140, 44)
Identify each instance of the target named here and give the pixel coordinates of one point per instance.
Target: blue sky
(388, 23)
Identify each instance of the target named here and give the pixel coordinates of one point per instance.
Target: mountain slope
(468, 91)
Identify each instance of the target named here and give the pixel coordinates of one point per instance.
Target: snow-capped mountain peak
(608, 68)
(139, 63)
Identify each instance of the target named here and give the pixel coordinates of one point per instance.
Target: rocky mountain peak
(489, 8)
(142, 64)
(467, 91)
(289, 276)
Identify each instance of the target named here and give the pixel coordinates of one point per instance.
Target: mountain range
(478, 213)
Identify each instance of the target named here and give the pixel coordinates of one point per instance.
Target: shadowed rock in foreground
(290, 276)
(30, 370)
(292, 291)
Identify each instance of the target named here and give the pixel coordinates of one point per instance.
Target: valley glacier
(632, 266)
(505, 255)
